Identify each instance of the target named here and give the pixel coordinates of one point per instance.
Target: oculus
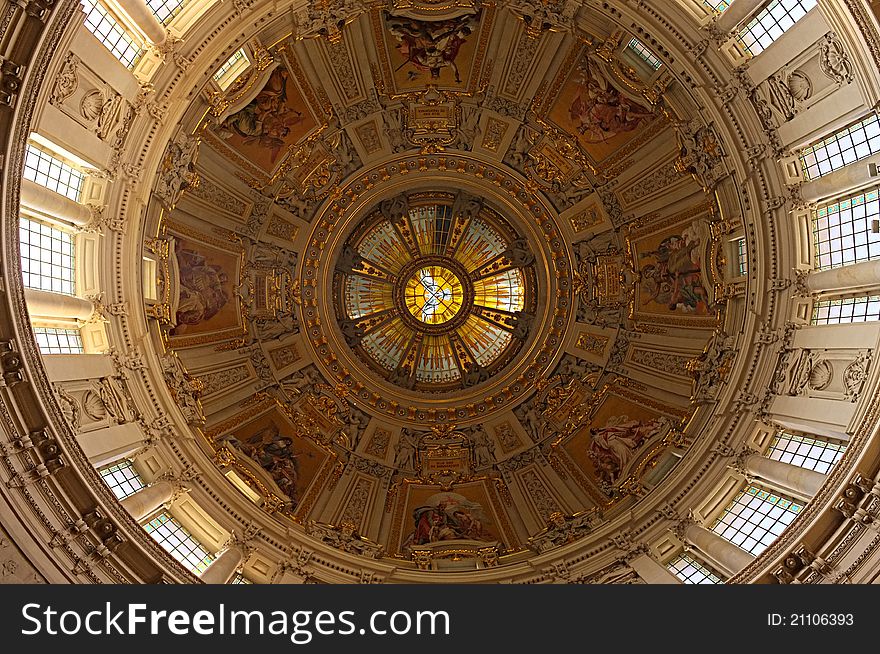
(435, 298)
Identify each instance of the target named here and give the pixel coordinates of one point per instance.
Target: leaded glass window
(178, 542)
(691, 571)
(811, 452)
(756, 517)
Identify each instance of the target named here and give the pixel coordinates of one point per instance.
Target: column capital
(169, 51)
(740, 462)
(244, 540)
(682, 524)
(631, 548)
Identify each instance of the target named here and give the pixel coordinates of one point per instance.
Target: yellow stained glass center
(434, 295)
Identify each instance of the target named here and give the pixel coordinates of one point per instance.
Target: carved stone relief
(836, 374)
(81, 94)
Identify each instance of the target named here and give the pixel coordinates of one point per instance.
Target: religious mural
(206, 276)
(590, 106)
(447, 516)
(672, 279)
(614, 444)
(432, 515)
(277, 118)
(617, 435)
(440, 52)
(273, 444)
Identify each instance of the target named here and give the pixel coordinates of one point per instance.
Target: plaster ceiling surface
(444, 232)
(443, 282)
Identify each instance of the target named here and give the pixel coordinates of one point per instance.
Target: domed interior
(405, 291)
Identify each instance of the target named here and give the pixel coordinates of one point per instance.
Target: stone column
(141, 15)
(737, 13)
(652, 572)
(787, 477)
(719, 551)
(148, 499)
(43, 201)
(45, 304)
(222, 569)
(846, 278)
(846, 179)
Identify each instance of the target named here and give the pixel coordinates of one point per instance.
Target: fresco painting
(206, 299)
(277, 118)
(590, 106)
(672, 280)
(617, 435)
(431, 52)
(271, 442)
(432, 515)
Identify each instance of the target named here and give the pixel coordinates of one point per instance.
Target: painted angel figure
(600, 111)
(431, 45)
(267, 120)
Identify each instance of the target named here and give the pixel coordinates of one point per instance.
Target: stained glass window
(844, 310)
(178, 542)
(240, 579)
(842, 230)
(432, 296)
(811, 452)
(643, 53)
(692, 571)
(756, 518)
(772, 22)
(122, 478)
(851, 144)
(717, 5)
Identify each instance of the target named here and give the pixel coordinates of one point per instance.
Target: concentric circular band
(412, 269)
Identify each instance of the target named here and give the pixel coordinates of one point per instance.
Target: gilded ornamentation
(368, 134)
(592, 343)
(585, 219)
(378, 444)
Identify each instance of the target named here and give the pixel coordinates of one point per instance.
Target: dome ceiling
(420, 271)
(435, 298)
